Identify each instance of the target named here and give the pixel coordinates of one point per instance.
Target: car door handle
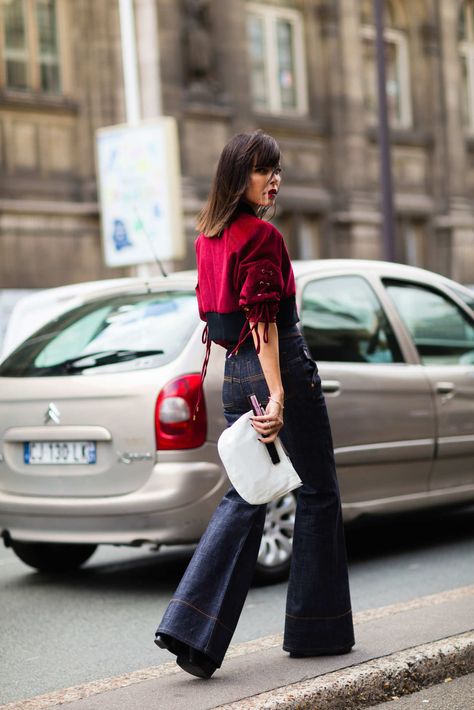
(446, 388)
(331, 387)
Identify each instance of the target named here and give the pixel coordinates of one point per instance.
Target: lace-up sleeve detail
(260, 281)
(262, 286)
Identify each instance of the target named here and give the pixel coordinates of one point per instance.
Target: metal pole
(388, 219)
(147, 22)
(129, 61)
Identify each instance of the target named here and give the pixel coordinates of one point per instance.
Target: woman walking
(246, 294)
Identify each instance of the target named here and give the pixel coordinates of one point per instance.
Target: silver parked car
(98, 445)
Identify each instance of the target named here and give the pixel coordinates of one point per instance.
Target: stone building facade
(303, 70)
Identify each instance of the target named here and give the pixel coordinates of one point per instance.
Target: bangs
(267, 152)
(249, 149)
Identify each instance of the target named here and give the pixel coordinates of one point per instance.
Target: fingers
(264, 418)
(270, 434)
(267, 426)
(264, 424)
(268, 439)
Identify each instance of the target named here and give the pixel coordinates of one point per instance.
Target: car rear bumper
(156, 513)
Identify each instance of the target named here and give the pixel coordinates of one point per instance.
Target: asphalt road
(100, 622)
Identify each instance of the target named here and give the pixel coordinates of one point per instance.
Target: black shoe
(187, 658)
(324, 652)
(160, 641)
(171, 644)
(196, 663)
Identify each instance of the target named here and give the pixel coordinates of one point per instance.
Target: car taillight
(174, 424)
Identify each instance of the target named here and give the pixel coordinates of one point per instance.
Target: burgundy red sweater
(245, 274)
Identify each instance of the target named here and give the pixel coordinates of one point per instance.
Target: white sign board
(140, 192)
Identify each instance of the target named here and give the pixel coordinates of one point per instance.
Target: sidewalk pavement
(399, 649)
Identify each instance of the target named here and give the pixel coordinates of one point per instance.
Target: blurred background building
(303, 70)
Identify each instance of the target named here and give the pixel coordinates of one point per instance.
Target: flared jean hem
(209, 636)
(332, 634)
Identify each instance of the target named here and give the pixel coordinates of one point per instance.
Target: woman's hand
(269, 424)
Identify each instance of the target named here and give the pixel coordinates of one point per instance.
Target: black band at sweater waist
(284, 333)
(226, 327)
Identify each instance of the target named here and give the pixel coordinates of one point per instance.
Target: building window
(277, 59)
(411, 247)
(397, 68)
(466, 52)
(29, 46)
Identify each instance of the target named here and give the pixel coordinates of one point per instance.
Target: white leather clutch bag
(249, 466)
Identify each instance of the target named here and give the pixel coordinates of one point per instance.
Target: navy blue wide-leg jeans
(206, 606)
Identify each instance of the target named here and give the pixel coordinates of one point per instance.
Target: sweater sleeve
(259, 281)
(259, 275)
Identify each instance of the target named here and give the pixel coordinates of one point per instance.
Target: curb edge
(371, 682)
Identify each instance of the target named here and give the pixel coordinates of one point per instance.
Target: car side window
(343, 321)
(442, 333)
(468, 298)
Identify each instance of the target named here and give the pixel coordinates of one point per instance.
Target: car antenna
(152, 246)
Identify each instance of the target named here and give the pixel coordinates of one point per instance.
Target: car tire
(274, 557)
(51, 556)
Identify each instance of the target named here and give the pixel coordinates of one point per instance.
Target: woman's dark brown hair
(238, 158)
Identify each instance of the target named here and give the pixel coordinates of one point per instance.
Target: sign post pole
(129, 61)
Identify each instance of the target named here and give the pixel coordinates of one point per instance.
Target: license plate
(59, 452)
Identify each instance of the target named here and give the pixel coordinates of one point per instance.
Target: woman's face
(263, 186)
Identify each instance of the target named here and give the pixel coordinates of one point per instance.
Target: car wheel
(274, 557)
(52, 557)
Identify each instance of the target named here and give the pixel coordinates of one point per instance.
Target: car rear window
(111, 334)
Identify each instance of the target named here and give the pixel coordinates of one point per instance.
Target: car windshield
(110, 334)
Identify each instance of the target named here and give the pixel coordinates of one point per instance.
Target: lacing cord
(260, 314)
(207, 342)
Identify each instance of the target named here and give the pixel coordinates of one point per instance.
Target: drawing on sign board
(120, 235)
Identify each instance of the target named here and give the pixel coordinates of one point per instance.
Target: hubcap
(277, 539)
